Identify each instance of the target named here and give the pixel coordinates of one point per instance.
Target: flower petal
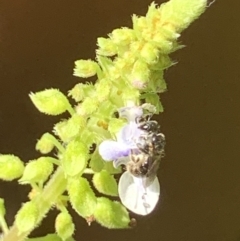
(130, 112)
(135, 197)
(112, 150)
(128, 134)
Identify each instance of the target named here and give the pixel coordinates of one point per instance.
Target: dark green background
(200, 181)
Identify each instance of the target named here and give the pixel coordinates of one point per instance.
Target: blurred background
(200, 181)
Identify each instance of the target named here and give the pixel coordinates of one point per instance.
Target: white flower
(137, 198)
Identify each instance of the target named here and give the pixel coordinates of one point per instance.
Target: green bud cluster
(128, 70)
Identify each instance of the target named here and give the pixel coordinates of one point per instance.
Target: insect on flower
(139, 147)
(145, 159)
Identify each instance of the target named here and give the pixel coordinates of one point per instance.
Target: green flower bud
(105, 63)
(157, 82)
(108, 166)
(50, 101)
(37, 170)
(152, 12)
(139, 75)
(111, 214)
(165, 33)
(106, 47)
(106, 109)
(89, 136)
(96, 162)
(180, 13)
(115, 124)
(149, 53)
(164, 62)
(64, 225)
(123, 36)
(2, 208)
(153, 99)
(75, 158)
(87, 107)
(131, 95)
(105, 183)
(27, 216)
(121, 64)
(11, 167)
(81, 196)
(45, 144)
(68, 129)
(81, 91)
(139, 24)
(103, 88)
(85, 68)
(97, 130)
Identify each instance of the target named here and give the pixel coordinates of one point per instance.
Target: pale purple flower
(134, 194)
(131, 112)
(111, 150)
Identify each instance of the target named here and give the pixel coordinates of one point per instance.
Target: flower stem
(55, 187)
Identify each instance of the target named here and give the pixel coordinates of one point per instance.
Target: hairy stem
(54, 188)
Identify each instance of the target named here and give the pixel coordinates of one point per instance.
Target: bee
(151, 141)
(143, 166)
(145, 159)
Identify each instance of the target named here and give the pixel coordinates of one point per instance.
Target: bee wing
(137, 198)
(152, 172)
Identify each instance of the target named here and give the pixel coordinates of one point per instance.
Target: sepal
(85, 68)
(27, 217)
(81, 196)
(68, 129)
(106, 47)
(46, 143)
(111, 214)
(64, 225)
(105, 183)
(37, 171)
(74, 159)
(11, 167)
(50, 101)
